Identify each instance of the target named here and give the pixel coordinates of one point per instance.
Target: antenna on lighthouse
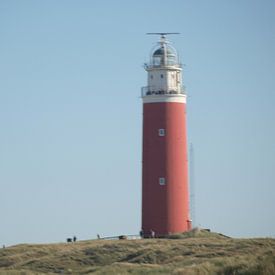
(162, 34)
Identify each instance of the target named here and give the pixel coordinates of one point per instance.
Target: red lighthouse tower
(165, 196)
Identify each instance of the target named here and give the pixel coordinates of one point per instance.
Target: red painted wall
(165, 209)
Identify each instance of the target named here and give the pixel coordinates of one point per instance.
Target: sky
(71, 73)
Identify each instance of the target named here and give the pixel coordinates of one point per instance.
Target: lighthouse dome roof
(164, 55)
(161, 51)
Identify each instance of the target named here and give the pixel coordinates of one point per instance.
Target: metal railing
(153, 65)
(149, 91)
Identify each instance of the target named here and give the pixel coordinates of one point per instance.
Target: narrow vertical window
(161, 132)
(161, 181)
(178, 78)
(161, 76)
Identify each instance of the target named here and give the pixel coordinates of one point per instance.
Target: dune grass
(196, 252)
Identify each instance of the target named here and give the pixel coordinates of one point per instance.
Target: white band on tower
(164, 98)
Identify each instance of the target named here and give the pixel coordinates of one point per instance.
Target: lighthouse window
(161, 132)
(151, 76)
(161, 76)
(161, 181)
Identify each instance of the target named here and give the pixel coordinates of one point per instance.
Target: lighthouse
(165, 195)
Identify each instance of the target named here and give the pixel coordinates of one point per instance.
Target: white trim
(164, 98)
(161, 68)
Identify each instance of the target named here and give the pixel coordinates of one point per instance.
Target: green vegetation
(195, 252)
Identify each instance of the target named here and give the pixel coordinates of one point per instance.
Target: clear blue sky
(71, 116)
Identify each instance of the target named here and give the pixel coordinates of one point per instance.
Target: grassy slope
(196, 253)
